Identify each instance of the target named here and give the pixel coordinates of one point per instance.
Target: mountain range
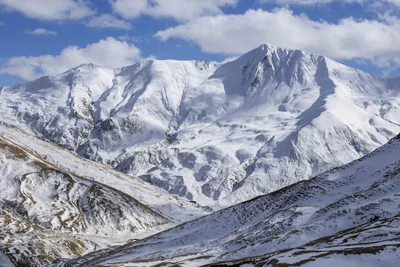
(96, 157)
(217, 134)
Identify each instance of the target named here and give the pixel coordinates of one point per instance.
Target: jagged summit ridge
(268, 64)
(214, 133)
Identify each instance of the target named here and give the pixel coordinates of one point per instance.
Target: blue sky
(45, 37)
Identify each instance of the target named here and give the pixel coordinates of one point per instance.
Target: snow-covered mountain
(54, 204)
(348, 216)
(39, 202)
(217, 134)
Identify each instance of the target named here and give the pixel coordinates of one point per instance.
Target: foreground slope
(347, 216)
(48, 211)
(174, 208)
(217, 134)
(39, 203)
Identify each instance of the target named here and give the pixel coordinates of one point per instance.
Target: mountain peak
(265, 47)
(267, 63)
(81, 67)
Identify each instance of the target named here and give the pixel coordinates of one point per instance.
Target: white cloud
(348, 39)
(49, 9)
(309, 2)
(108, 21)
(177, 9)
(323, 2)
(109, 53)
(395, 2)
(41, 31)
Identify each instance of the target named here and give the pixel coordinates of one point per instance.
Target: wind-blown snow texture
(348, 216)
(216, 134)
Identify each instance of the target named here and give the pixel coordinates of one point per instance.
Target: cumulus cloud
(108, 21)
(323, 2)
(49, 9)
(347, 39)
(177, 9)
(41, 31)
(109, 53)
(309, 2)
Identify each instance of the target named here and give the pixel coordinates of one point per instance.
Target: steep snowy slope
(172, 207)
(348, 216)
(215, 134)
(37, 197)
(47, 212)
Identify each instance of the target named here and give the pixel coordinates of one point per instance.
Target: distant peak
(87, 65)
(265, 47)
(262, 50)
(80, 67)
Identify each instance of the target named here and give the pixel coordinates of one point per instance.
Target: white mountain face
(215, 134)
(348, 216)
